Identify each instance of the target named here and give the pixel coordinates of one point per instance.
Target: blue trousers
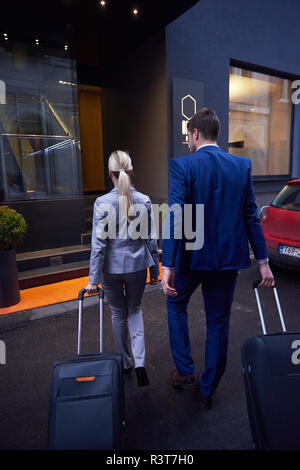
(218, 291)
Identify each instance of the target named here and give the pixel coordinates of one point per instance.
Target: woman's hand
(91, 288)
(153, 280)
(154, 272)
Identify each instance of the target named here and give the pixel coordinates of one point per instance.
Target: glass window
(260, 120)
(46, 166)
(288, 198)
(39, 124)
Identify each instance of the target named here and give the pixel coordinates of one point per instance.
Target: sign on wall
(188, 98)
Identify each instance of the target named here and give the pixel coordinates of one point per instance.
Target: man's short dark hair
(206, 122)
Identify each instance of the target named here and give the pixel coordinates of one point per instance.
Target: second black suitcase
(87, 409)
(271, 369)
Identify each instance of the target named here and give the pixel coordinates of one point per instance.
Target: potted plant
(12, 229)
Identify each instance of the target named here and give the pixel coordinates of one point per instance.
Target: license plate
(289, 250)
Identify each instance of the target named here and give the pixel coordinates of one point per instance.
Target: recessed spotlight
(66, 47)
(103, 3)
(4, 34)
(135, 11)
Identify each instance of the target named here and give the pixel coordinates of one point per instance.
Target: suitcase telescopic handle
(255, 287)
(80, 302)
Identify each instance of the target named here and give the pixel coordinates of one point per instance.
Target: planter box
(9, 284)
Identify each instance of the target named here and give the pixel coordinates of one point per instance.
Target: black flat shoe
(142, 378)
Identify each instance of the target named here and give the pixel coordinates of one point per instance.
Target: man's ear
(196, 134)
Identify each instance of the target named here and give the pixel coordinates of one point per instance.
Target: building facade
(62, 113)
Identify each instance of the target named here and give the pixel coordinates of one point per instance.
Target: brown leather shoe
(206, 402)
(181, 381)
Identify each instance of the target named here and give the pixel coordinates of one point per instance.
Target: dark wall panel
(135, 116)
(51, 223)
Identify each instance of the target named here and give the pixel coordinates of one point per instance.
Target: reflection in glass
(39, 124)
(288, 198)
(260, 120)
(46, 166)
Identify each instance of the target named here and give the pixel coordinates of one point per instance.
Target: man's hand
(91, 288)
(266, 276)
(168, 282)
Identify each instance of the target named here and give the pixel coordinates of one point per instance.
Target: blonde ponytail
(119, 161)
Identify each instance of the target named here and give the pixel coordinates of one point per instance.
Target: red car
(281, 226)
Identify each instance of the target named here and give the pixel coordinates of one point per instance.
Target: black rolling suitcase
(271, 369)
(87, 409)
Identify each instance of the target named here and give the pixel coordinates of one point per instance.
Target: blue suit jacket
(223, 183)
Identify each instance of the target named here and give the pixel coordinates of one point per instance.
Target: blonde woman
(120, 257)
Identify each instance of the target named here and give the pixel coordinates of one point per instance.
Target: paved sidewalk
(22, 317)
(158, 417)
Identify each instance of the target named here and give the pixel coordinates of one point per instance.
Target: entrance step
(48, 266)
(91, 198)
(52, 257)
(89, 223)
(89, 212)
(86, 238)
(52, 274)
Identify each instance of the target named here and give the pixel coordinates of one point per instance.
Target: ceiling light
(4, 34)
(62, 82)
(66, 47)
(135, 11)
(103, 3)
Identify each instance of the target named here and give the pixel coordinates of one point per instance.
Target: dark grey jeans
(124, 294)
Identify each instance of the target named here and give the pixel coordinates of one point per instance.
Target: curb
(24, 317)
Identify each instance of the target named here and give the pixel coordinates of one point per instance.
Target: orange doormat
(52, 294)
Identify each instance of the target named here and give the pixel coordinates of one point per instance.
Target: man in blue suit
(223, 184)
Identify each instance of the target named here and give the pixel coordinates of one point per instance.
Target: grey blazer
(120, 254)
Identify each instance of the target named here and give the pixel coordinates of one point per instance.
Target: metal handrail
(39, 135)
(51, 147)
(64, 140)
